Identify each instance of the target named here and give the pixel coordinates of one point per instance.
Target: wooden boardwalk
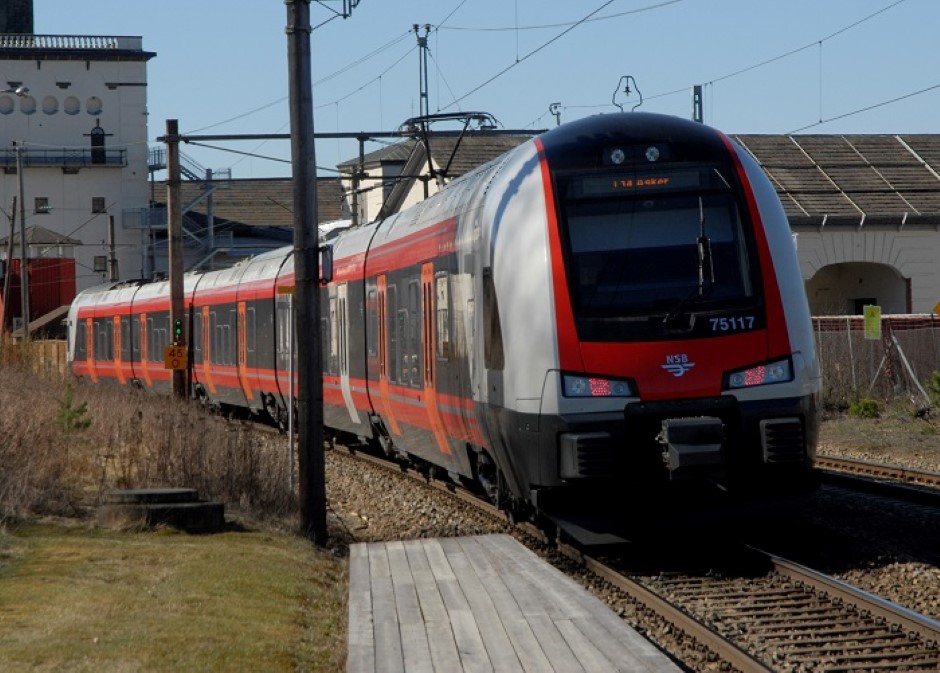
(483, 603)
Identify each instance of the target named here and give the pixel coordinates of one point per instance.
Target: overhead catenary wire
(530, 54)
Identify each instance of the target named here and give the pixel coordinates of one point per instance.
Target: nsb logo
(678, 364)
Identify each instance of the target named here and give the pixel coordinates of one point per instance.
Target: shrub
(865, 408)
(933, 389)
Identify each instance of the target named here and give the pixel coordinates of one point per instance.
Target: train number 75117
(741, 322)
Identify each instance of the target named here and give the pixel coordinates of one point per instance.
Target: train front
(685, 349)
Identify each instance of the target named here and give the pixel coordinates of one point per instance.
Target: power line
(784, 55)
(531, 53)
(606, 17)
(867, 108)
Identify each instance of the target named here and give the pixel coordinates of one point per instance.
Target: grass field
(75, 598)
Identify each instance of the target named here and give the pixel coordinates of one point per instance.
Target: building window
(42, 205)
(98, 204)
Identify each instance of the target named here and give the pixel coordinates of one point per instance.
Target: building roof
(856, 180)
(472, 150)
(36, 235)
(262, 202)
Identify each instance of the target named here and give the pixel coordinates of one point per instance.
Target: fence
(45, 357)
(899, 365)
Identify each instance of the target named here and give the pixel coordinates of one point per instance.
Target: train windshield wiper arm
(706, 270)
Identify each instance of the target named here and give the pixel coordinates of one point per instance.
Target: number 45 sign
(174, 357)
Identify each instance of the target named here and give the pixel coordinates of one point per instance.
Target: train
(613, 306)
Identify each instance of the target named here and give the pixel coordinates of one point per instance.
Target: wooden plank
(629, 656)
(557, 594)
(437, 625)
(360, 653)
(388, 651)
(590, 657)
(498, 645)
(533, 655)
(470, 645)
(578, 607)
(416, 653)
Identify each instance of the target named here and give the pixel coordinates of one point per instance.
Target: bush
(933, 389)
(865, 408)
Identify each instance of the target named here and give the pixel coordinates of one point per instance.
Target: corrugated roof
(263, 202)
(853, 179)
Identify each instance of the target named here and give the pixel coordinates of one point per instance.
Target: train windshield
(647, 255)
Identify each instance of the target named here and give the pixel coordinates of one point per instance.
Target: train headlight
(617, 156)
(594, 386)
(652, 153)
(777, 371)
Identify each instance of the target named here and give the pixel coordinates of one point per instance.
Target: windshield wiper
(706, 270)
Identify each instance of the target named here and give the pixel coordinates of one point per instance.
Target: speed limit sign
(174, 357)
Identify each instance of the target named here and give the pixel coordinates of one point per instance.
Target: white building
(75, 110)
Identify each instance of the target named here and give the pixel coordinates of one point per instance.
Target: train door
(285, 344)
(342, 348)
(429, 346)
(90, 348)
(145, 350)
(119, 345)
(245, 340)
(383, 341)
(205, 377)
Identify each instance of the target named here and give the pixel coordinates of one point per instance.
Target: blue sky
(766, 66)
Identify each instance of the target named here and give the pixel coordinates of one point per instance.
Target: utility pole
(9, 267)
(312, 465)
(424, 108)
(112, 254)
(24, 249)
(174, 225)
(698, 115)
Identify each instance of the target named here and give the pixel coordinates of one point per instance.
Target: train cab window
(656, 252)
(443, 316)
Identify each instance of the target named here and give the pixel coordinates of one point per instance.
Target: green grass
(79, 599)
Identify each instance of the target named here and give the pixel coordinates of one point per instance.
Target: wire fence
(898, 365)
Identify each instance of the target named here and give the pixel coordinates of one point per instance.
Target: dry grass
(53, 465)
(79, 599)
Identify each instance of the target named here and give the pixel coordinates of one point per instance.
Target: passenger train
(615, 304)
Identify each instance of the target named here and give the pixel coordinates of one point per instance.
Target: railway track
(879, 471)
(894, 481)
(782, 617)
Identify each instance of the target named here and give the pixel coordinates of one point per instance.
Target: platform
(483, 603)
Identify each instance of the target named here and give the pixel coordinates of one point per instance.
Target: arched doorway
(844, 289)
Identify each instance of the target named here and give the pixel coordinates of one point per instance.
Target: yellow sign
(174, 357)
(285, 289)
(872, 322)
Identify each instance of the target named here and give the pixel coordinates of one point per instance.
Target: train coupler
(691, 444)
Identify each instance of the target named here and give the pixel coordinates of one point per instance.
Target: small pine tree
(70, 417)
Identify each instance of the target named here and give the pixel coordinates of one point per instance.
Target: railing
(66, 157)
(84, 42)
